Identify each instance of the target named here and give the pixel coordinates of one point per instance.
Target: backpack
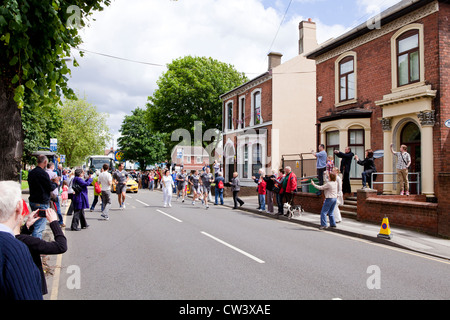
(220, 185)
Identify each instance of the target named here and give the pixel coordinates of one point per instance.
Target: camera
(42, 213)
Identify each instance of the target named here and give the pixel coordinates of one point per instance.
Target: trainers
(170, 205)
(407, 193)
(402, 193)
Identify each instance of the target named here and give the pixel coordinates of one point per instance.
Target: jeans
(262, 202)
(219, 193)
(39, 225)
(328, 209)
(236, 199)
(106, 202)
(366, 178)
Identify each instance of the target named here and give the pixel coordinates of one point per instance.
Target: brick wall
(444, 205)
(418, 215)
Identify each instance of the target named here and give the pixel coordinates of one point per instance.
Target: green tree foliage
(139, 143)
(84, 132)
(190, 91)
(35, 37)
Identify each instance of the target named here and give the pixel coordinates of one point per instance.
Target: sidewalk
(402, 238)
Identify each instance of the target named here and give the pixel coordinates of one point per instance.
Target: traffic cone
(385, 231)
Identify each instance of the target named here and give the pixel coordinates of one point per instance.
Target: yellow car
(132, 186)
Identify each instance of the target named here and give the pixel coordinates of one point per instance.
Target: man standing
(207, 178)
(54, 195)
(20, 278)
(321, 163)
(40, 187)
(181, 184)
(105, 180)
(121, 177)
(346, 164)
(403, 163)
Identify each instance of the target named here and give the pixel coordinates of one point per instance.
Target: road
(147, 252)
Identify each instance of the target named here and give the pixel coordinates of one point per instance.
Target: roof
(347, 114)
(400, 9)
(267, 73)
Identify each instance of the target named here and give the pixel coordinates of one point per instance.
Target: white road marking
(147, 205)
(234, 248)
(169, 216)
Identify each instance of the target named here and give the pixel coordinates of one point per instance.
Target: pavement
(401, 238)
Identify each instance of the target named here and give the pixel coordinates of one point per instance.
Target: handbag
(76, 187)
(98, 188)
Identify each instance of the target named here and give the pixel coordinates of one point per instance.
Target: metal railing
(395, 182)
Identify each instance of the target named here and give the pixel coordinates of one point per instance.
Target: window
(408, 59)
(256, 159)
(356, 143)
(257, 117)
(333, 144)
(245, 163)
(230, 116)
(242, 113)
(347, 79)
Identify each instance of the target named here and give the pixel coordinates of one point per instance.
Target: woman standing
(235, 188)
(167, 184)
(80, 200)
(330, 189)
(340, 197)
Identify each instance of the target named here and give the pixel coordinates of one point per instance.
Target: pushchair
(293, 211)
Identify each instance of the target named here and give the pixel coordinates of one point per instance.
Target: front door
(411, 138)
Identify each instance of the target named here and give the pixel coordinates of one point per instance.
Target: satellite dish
(378, 154)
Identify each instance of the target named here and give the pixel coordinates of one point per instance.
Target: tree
(190, 91)
(138, 143)
(84, 132)
(35, 37)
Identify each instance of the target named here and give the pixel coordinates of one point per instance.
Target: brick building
(272, 115)
(388, 81)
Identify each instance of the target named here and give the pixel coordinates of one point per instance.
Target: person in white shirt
(105, 180)
(331, 193)
(168, 184)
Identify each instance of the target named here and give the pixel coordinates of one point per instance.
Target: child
(262, 194)
(65, 194)
(330, 164)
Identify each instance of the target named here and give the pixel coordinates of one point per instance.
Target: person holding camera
(403, 163)
(80, 200)
(40, 187)
(38, 246)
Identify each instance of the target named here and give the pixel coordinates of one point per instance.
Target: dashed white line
(234, 248)
(168, 215)
(147, 205)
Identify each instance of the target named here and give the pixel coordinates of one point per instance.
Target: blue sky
(238, 32)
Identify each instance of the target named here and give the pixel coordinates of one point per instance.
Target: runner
(181, 184)
(194, 181)
(207, 178)
(121, 178)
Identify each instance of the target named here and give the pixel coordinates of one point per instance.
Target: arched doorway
(411, 137)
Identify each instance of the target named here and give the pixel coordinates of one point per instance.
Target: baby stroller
(293, 211)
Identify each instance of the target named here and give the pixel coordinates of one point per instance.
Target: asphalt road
(147, 252)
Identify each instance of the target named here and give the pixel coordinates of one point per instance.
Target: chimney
(308, 39)
(274, 60)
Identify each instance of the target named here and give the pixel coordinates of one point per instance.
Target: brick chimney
(274, 60)
(308, 38)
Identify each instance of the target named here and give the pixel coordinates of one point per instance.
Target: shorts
(196, 189)
(181, 186)
(120, 188)
(206, 189)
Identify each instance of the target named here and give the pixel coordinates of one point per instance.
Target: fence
(302, 164)
(396, 182)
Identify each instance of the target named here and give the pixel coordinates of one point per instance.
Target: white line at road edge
(234, 248)
(169, 216)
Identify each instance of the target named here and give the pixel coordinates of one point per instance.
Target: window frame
(404, 36)
(346, 76)
(337, 83)
(354, 146)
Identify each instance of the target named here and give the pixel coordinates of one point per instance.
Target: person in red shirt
(262, 193)
(288, 186)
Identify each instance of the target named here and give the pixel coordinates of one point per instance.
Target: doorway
(411, 137)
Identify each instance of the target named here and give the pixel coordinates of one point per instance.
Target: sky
(155, 32)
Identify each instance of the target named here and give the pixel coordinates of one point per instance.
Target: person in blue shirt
(321, 163)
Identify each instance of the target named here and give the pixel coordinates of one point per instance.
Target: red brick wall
(417, 215)
(444, 205)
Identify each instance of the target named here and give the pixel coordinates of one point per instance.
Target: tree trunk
(11, 141)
